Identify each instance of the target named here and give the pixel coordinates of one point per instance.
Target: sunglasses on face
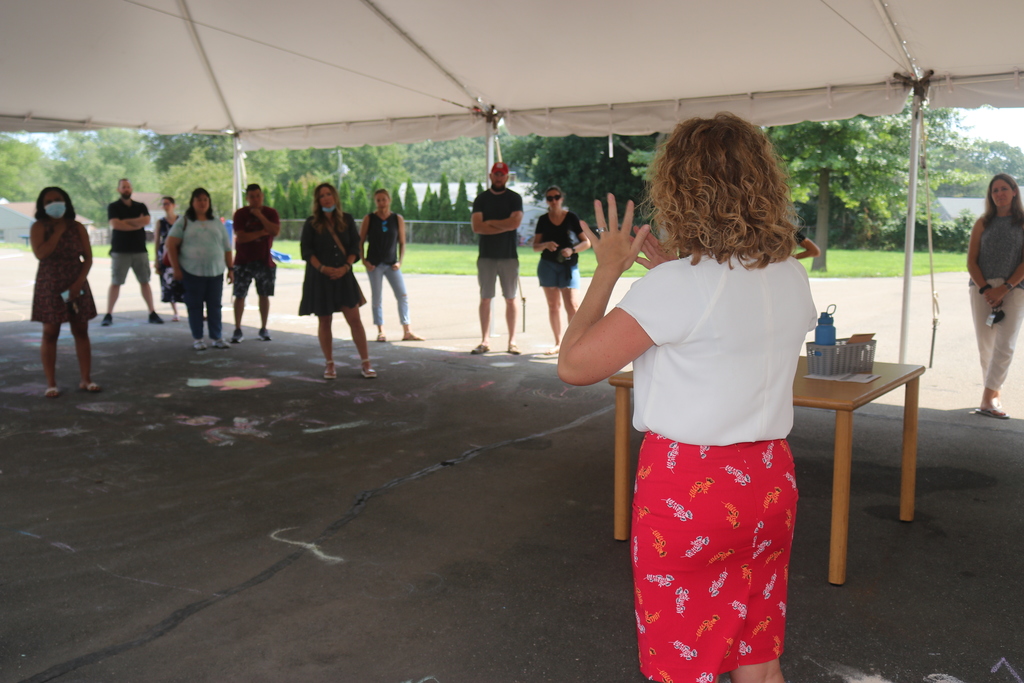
(553, 197)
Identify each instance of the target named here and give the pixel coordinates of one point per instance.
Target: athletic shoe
(237, 337)
(155, 319)
(219, 344)
(264, 335)
(108, 320)
(199, 345)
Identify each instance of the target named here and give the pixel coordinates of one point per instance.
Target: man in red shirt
(255, 228)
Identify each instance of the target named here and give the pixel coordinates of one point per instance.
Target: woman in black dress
(62, 292)
(330, 247)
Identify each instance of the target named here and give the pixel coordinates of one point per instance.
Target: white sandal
(329, 372)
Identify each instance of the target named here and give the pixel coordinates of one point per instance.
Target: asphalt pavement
(229, 515)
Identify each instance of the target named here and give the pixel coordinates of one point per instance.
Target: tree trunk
(821, 232)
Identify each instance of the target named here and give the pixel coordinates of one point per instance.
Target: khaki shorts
(505, 269)
(120, 264)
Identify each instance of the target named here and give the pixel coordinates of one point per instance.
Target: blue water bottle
(825, 332)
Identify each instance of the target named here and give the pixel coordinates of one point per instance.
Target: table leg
(841, 468)
(622, 493)
(908, 478)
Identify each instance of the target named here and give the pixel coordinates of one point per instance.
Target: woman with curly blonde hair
(714, 331)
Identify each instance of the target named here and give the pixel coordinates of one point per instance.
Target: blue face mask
(327, 209)
(55, 209)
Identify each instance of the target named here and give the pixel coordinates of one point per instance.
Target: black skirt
(323, 296)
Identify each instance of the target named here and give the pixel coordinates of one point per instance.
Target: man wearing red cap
(497, 212)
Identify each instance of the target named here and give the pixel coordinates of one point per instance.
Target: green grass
(437, 259)
(854, 263)
(442, 259)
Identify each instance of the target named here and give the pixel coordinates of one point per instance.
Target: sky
(1004, 125)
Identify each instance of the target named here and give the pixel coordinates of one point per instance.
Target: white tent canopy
(322, 73)
(327, 73)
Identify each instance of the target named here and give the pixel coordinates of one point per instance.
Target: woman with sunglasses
(559, 239)
(714, 331)
(383, 233)
(171, 291)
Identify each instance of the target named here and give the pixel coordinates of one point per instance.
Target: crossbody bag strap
(340, 246)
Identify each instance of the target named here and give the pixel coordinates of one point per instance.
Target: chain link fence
(416, 232)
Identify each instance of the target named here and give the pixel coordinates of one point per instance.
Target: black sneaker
(108, 320)
(155, 319)
(264, 335)
(237, 337)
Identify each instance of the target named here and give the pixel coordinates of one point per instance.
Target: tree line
(848, 178)
(89, 164)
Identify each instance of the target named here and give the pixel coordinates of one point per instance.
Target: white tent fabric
(324, 73)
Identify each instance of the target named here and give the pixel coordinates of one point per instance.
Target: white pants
(996, 343)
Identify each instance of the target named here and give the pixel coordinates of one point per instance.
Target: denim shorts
(561, 275)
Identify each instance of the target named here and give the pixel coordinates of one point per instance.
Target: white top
(726, 348)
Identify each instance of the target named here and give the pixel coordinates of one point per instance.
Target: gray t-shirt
(203, 244)
(1002, 245)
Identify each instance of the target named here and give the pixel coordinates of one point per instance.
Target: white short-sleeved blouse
(726, 347)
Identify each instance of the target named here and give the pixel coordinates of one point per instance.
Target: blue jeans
(201, 290)
(394, 277)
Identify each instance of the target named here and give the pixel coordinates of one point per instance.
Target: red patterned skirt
(712, 532)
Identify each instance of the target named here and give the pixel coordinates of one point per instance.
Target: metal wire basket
(841, 359)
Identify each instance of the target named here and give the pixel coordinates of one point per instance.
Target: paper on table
(863, 378)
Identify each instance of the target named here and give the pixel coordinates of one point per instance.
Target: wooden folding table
(843, 398)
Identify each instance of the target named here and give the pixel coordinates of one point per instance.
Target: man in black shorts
(128, 221)
(497, 213)
(255, 226)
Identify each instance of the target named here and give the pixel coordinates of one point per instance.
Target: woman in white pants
(995, 261)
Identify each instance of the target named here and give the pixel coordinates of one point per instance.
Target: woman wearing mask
(330, 248)
(62, 292)
(200, 253)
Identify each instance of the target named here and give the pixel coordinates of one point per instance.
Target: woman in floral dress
(62, 292)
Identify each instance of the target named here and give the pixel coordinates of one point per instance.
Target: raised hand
(613, 244)
(654, 253)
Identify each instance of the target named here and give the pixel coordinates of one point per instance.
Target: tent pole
(239, 174)
(916, 120)
(490, 155)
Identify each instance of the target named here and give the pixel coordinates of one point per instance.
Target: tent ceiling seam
(190, 25)
(300, 55)
(404, 35)
(911, 64)
(881, 49)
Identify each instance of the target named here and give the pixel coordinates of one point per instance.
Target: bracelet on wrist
(984, 289)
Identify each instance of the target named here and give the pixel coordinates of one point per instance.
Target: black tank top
(382, 240)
